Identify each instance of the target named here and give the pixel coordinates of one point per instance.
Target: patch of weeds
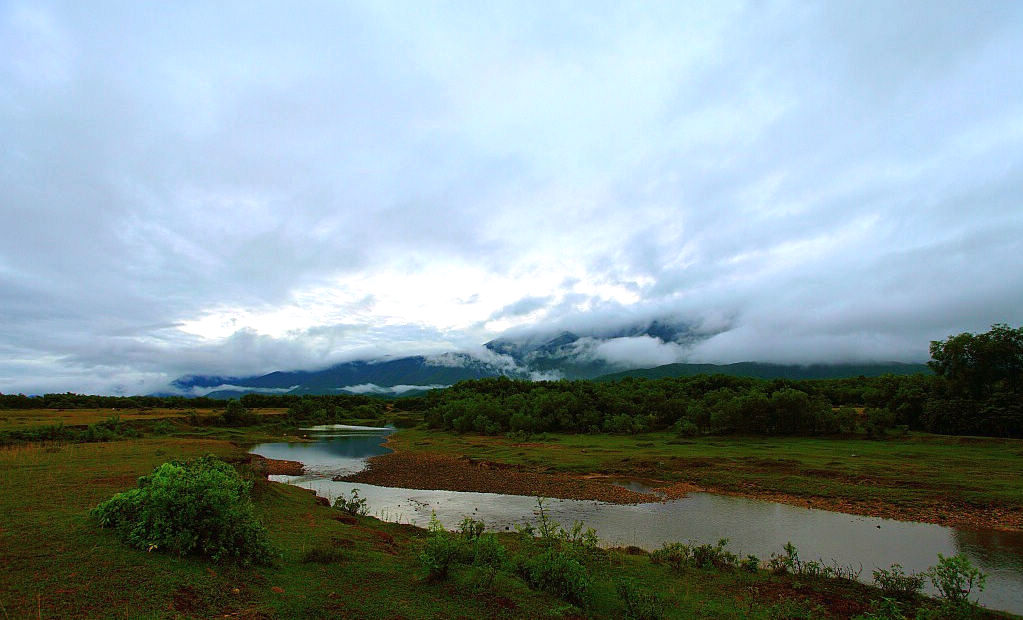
(558, 573)
(883, 609)
(639, 604)
(322, 555)
(795, 609)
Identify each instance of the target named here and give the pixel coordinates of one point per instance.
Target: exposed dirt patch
(276, 467)
(426, 470)
(433, 471)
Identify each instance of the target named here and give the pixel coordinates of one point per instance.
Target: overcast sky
(244, 187)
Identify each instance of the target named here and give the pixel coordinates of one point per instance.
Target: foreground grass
(918, 472)
(56, 562)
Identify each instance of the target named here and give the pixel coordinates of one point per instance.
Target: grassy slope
(913, 471)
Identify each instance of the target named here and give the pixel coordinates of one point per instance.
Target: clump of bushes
(895, 582)
(557, 573)
(237, 415)
(353, 504)
(680, 556)
(790, 563)
(440, 552)
(195, 507)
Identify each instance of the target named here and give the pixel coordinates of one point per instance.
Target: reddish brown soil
(434, 471)
(274, 467)
(424, 470)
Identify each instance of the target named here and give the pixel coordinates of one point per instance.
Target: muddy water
(751, 526)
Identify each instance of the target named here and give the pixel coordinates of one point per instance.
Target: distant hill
(402, 375)
(759, 370)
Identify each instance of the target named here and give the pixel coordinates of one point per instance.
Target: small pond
(751, 526)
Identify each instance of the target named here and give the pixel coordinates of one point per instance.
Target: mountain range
(563, 354)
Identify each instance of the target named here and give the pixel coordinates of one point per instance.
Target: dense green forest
(974, 390)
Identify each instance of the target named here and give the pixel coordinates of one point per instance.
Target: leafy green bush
(955, 578)
(471, 529)
(895, 582)
(639, 604)
(353, 504)
(750, 564)
(489, 557)
(557, 573)
(195, 507)
(441, 551)
(680, 556)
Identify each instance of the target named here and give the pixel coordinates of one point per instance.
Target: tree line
(975, 390)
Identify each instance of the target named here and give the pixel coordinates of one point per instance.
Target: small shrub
(713, 556)
(195, 507)
(788, 563)
(895, 582)
(489, 557)
(750, 564)
(471, 529)
(685, 428)
(676, 555)
(440, 552)
(163, 427)
(557, 573)
(955, 578)
(639, 604)
(353, 504)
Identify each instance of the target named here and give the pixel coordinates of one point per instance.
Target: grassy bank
(951, 480)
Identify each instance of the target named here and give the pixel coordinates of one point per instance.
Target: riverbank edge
(430, 470)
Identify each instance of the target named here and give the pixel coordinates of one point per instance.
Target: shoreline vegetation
(454, 463)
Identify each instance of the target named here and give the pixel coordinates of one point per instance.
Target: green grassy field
(20, 419)
(918, 472)
(56, 562)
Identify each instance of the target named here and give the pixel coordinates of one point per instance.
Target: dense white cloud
(239, 188)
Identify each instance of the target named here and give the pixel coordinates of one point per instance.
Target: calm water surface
(751, 526)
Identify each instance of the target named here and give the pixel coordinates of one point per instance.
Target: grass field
(55, 561)
(20, 419)
(917, 473)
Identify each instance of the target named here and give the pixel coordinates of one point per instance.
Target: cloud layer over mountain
(238, 188)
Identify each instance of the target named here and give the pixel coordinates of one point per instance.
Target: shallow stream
(751, 526)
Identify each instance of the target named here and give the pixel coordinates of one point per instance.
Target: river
(751, 526)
